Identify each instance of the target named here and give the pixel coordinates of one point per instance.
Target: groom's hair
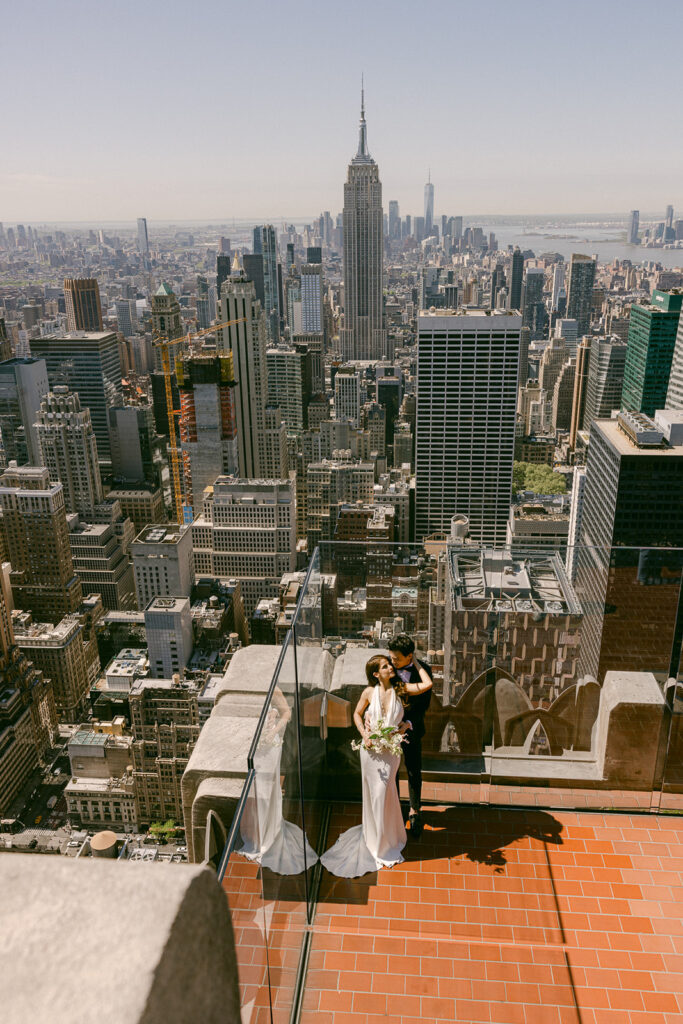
(402, 643)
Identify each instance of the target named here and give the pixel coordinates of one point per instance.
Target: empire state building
(363, 335)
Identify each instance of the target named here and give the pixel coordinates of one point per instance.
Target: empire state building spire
(362, 156)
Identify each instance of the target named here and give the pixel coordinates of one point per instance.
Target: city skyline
(477, 162)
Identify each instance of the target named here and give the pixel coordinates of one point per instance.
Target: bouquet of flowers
(384, 739)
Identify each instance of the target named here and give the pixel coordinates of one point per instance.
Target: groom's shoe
(416, 824)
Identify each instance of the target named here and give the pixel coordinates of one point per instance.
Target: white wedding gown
(267, 837)
(378, 841)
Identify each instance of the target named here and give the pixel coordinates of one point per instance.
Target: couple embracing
(391, 707)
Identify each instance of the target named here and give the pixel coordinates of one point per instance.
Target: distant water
(606, 242)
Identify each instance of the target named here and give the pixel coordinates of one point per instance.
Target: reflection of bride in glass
(268, 838)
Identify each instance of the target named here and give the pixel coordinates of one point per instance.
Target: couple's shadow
(478, 834)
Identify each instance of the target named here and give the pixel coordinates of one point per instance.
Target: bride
(378, 841)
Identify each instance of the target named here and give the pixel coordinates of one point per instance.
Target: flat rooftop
(625, 446)
(155, 534)
(493, 580)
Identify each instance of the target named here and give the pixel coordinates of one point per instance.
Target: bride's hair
(373, 666)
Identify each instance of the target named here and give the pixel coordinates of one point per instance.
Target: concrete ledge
(84, 941)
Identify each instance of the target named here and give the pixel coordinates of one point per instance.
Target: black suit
(414, 709)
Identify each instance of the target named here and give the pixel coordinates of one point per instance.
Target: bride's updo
(372, 667)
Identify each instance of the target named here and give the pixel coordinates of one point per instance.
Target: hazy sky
(209, 109)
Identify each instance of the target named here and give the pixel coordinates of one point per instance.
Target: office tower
(524, 342)
(516, 279)
(669, 217)
(605, 378)
(674, 395)
(633, 227)
(394, 220)
(271, 293)
(223, 265)
(568, 330)
(23, 385)
(289, 257)
(429, 207)
(30, 314)
(253, 269)
(313, 343)
(314, 254)
(497, 283)
(247, 342)
(164, 718)
(5, 343)
(208, 428)
(82, 299)
(330, 484)
(27, 711)
(562, 395)
(246, 532)
(293, 303)
(467, 372)
(533, 309)
(312, 291)
(90, 365)
(575, 520)
(143, 238)
(553, 359)
(36, 536)
(347, 401)
(126, 316)
(580, 291)
(167, 323)
(631, 521)
(389, 392)
(363, 335)
(168, 628)
(580, 388)
(136, 455)
(69, 450)
(162, 563)
(651, 341)
(558, 284)
(258, 239)
(290, 374)
(99, 548)
(61, 652)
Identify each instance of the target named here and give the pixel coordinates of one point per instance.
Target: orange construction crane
(164, 344)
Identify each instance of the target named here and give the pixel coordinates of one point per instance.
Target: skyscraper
(143, 239)
(633, 227)
(630, 540)
(579, 396)
(533, 315)
(82, 299)
(208, 429)
(605, 378)
(429, 207)
(90, 365)
(247, 342)
(271, 290)
(467, 370)
(651, 340)
(222, 270)
(516, 278)
(674, 396)
(69, 449)
(580, 291)
(312, 287)
(23, 385)
(394, 220)
(126, 316)
(37, 543)
(363, 335)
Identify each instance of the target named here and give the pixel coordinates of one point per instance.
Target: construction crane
(164, 344)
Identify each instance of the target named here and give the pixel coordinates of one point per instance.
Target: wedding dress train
(378, 841)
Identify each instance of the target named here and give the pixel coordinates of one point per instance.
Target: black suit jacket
(415, 706)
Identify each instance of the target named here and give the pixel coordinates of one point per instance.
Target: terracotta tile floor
(498, 914)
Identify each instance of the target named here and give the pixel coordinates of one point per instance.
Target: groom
(401, 650)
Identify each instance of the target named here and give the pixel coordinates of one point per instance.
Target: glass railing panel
(241, 878)
(583, 653)
(284, 855)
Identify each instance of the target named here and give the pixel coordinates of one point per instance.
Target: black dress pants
(412, 757)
